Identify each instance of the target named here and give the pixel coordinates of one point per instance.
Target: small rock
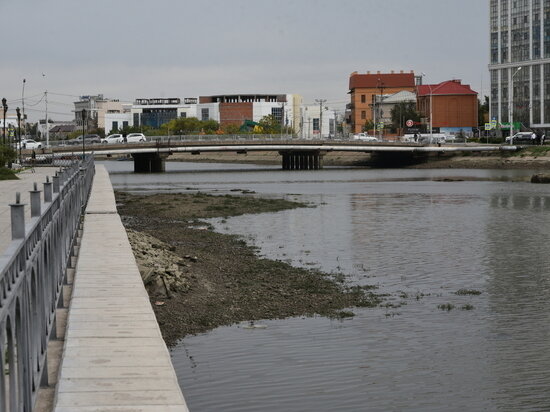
(540, 178)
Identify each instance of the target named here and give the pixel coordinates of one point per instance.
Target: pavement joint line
(124, 335)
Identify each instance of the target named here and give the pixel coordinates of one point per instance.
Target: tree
(402, 112)
(232, 129)
(483, 112)
(210, 126)
(270, 124)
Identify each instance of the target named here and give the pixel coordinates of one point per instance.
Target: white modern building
(96, 108)
(520, 62)
(154, 112)
(237, 108)
(317, 122)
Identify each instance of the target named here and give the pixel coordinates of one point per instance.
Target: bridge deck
(114, 357)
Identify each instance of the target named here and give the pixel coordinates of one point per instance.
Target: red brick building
(364, 87)
(454, 105)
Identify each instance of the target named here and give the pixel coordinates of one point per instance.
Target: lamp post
(511, 105)
(5, 107)
(18, 111)
(431, 113)
(431, 105)
(83, 131)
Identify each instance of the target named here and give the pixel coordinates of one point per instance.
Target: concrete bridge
(77, 331)
(295, 154)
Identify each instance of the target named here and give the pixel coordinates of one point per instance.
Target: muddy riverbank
(198, 279)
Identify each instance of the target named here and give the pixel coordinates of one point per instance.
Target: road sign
(409, 123)
(488, 126)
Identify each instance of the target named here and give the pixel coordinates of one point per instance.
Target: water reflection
(518, 286)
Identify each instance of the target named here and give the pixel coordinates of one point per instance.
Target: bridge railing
(208, 137)
(32, 274)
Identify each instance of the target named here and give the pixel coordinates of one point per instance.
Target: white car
(526, 137)
(135, 138)
(113, 139)
(29, 144)
(365, 137)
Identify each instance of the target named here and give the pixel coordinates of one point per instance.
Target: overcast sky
(128, 49)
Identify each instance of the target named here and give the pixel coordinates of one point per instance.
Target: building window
(115, 126)
(363, 114)
(277, 113)
(363, 98)
(205, 115)
(315, 125)
(136, 119)
(183, 115)
(124, 124)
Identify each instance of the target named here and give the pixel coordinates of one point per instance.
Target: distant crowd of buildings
(446, 107)
(449, 107)
(288, 110)
(519, 77)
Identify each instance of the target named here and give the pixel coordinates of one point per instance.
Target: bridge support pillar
(301, 160)
(149, 163)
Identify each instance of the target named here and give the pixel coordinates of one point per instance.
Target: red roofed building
(364, 87)
(454, 105)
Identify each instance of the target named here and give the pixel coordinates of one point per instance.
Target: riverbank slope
(198, 279)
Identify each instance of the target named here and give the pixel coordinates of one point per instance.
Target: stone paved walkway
(114, 357)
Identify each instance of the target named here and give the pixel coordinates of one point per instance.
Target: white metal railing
(32, 273)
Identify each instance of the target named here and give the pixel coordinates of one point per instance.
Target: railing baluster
(38, 257)
(17, 218)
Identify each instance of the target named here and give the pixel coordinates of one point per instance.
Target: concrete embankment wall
(114, 356)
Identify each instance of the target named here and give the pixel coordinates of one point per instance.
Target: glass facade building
(520, 38)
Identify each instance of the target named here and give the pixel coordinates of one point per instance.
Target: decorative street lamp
(18, 111)
(5, 106)
(511, 106)
(83, 133)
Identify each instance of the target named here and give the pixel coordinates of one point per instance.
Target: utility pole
(381, 87)
(47, 128)
(23, 104)
(283, 120)
(321, 102)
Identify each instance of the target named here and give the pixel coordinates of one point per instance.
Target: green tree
(233, 129)
(210, 126)
(369, 125)
(402, 112)
(270, 124)
(483, 112)
(7, 155)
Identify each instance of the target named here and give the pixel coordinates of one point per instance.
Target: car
(365, 137)
(113, 139)
(434, 138)
(522, 137)
(29, 144)
(88, 139)
(135, 138)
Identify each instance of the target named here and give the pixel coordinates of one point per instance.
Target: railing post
(17, 218)
(55, 183)
(35, 201)
(47, 190)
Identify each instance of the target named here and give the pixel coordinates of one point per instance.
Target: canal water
(419, 235)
